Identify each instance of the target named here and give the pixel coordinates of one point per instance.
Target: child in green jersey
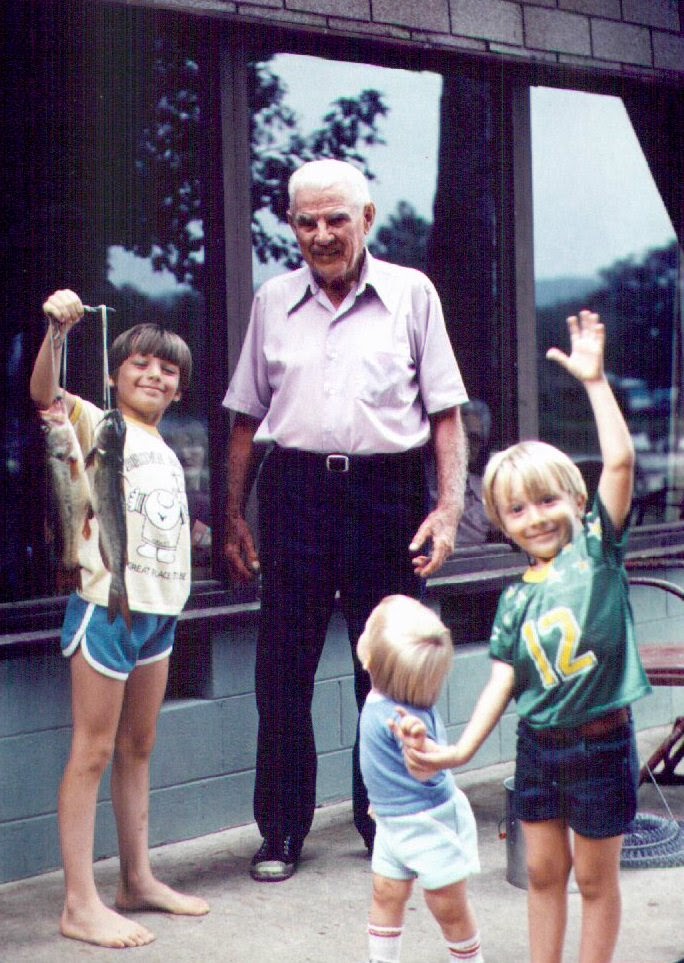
(563, 647)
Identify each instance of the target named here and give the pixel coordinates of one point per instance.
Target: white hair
(323, 174)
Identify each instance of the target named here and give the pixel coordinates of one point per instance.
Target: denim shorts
(436, 846)
(591, 783)
(108, 646)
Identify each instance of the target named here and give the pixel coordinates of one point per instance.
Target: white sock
(384, 943)
(466, 951)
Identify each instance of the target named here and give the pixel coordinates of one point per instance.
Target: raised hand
(63, 309)
(587, 343)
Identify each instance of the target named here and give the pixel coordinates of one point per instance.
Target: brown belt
(596, 729)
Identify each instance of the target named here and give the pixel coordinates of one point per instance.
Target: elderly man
(346, 369)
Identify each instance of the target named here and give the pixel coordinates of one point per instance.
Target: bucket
(516, 857)
(516, 864)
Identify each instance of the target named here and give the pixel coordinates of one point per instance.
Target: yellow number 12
(567, 664)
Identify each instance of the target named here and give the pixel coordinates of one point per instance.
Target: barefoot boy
(118, 673)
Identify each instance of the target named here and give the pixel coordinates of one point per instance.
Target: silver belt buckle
(338, 464)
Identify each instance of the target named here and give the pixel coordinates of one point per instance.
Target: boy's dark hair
(153, 339)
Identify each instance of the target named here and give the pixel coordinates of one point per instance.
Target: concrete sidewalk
(319, 916)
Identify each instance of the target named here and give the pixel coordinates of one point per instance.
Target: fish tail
(118, 602)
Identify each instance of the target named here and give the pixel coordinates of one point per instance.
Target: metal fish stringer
(103, 311)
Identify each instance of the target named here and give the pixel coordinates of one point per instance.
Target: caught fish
(68, 480)
(109, 505)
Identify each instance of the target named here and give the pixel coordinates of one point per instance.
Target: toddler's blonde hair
(539, 467)
(408, 651)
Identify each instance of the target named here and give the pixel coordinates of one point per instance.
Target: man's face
(331, 233)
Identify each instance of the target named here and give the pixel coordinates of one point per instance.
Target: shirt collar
(370, 279)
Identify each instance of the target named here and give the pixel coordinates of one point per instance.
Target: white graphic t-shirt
(159, 564)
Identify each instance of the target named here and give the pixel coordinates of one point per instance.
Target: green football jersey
(568, 632)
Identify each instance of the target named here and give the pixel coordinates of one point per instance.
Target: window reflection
(189, 439)
(603, 240)
(431, 146)
(384, 120)
(94, 206)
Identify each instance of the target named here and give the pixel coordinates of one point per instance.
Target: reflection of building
(161, 168)
(189, 439)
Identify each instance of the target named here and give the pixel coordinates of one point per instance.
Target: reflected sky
(413, 98)
(595, 200)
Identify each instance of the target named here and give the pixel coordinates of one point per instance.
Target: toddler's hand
(413, 735)
(410, 729)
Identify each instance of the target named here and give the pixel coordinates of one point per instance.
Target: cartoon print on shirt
(164, 513)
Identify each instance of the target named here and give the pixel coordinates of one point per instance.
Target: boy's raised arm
(63, 310)
(585, 362)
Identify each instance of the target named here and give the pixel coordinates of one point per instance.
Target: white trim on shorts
(80, 638)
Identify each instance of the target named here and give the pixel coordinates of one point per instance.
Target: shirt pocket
(387, 379)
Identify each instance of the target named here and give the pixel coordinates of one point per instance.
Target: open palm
(587, 341)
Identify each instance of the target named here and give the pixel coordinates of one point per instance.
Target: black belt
(591, 731)
(339, 463)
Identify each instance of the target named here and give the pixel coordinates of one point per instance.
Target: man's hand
(239, 550)
(440, 529)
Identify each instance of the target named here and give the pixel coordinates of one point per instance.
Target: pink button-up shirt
(361, 378)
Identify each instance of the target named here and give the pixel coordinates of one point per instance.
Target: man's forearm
(451, 460)
(240, 464)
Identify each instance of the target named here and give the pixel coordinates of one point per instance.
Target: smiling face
(146, 386)
(331, 232)
(541, 525)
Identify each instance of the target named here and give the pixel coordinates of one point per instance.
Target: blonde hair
(539, 467)
(407, 650)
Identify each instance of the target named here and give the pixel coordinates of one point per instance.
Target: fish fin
(103, 553)
(87, 530)
(126, 612)
(117, 604)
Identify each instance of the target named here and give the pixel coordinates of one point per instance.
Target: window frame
(228, 248)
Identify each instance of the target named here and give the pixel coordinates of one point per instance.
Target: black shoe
(276, 860)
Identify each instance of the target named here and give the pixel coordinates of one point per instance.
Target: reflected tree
(463, 258)
(169, 229)
(637, 300)
(278, 147)
(403, 239)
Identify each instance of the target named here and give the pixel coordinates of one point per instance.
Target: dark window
(107, 163)
(431, 142)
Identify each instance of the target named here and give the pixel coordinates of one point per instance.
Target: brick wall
(637, 37)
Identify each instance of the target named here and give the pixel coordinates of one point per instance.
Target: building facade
(147, 148)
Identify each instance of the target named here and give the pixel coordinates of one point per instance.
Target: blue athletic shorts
(591, 784)
(437, 846)
(109, 647)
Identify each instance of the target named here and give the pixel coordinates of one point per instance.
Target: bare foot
(158, 896)
(100, 925)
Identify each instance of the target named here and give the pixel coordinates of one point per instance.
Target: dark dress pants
(321, 532)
